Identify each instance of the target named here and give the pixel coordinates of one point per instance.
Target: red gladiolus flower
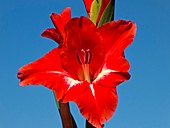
(88, 4)
(86, 67)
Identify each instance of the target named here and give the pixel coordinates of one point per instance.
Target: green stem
(56, 100)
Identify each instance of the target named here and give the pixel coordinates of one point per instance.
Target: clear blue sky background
(144, 101)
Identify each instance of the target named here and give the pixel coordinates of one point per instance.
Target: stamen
(84, 56)
(78, 58)
(83, 53)
(88, 56)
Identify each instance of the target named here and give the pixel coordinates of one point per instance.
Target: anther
(88, 56)
(84, 56)
(78, 57)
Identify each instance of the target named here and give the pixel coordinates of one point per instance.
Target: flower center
(84, 58)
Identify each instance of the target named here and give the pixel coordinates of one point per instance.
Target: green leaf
(108, 13)
(56, 100)
(95, 8)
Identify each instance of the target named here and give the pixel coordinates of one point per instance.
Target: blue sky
(144, 100)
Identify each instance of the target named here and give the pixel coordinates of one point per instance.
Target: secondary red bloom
(57, 34)
(88, 4)
(86, 67)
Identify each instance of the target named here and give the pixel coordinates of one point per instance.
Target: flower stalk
(66, 117)
(65, 114)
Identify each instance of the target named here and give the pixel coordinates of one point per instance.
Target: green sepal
(108, 13)
(95, 9)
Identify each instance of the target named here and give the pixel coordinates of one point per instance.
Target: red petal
(75, 90)
(117, 35)
(111, 78)
(81, 34)
(60, 21)
(53, 34)
(98, 106)
(69, 89)
(66, 14)
(117, 63)
(46, 70)
(88, 5)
